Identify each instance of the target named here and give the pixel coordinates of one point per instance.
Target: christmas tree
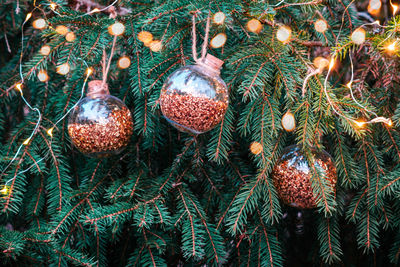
(205, 133)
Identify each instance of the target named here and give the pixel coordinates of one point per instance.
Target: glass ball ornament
(100, 125)
(292, 176)
(194, 98)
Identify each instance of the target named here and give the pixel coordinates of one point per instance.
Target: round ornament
(100, 125)
(292, 176)
(194, 98)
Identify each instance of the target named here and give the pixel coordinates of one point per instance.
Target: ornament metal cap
(97, 88)
(212, 63)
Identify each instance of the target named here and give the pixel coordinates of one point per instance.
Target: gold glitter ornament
(288, 121)
(194, 98)
(100, 125)
(292, 176)
(256, 148)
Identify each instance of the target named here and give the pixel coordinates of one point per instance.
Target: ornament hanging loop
(205, 43)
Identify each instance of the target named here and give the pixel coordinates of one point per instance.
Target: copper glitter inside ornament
(194, 98)
(292, 176)
(100, 125)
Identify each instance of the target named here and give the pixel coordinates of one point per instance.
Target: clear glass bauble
(292, 176)
(194, 98)
(100, 125)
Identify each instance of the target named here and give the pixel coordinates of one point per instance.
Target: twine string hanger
(206, 36)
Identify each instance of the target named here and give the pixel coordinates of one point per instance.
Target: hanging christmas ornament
(39, 24)
(283, 34)
(288, 121)
(219, 18)
(145, 37)
(194, 98)
(358, 36)
(320, 25)
(254, 25)
(292, 176)
(156, 46)
(218, 41)
(100, 125)
(256, 148)
(45, 50)
(124, 62)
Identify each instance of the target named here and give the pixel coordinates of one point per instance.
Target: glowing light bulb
(5, 190)
(42, 76)
(50, 131)
(395, 8)
(39, 24)
(321, 63)
(156, 46)
(218, 41)
(62, 30)
(219, 18)
(116, 29)
(70, 37)
(124, 62)
(349, 85)
(254, 25)
(45, 50)
(95, 10)
(288, 121)
(256, 148)
(360, 123)
(391, 47)
(28, 16)
(283, 34)
(53, 6)
(19, 87)
(358, 36)
(389, 123)
(63, 69)
(145, 37)
(332, 63)
(89, 71)
(26, 142)
(320, 25)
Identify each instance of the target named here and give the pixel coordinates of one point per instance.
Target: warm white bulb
(45, 50)
(124, 62)
(116, 29)
(254, 25)
(283, 34)
(358, 36)
(218, 41)
(63, 69)
(39, 24)
(219, 18)
(70, 37)
(156, 46)
(320, 25)
(61, 29)
(391, 47)
(288, 122)
(42, 76)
